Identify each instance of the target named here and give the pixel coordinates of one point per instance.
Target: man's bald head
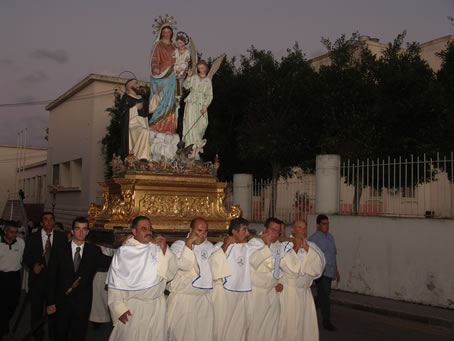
(199, 226)
(299, 229)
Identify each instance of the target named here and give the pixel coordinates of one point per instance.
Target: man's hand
(227, 241)
(161, 241)
(266, 239)
(51, 309)
(124, 318)
(139, 105)
(204, 110)
(299, 243)
(126, 239)
(192, 239)
(279, 287)
(338, 277)
(37, 268)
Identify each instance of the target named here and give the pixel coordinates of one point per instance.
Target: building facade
(77, 123)
(21, 168)
(429, 51)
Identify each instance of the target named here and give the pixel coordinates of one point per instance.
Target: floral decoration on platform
(179, 165)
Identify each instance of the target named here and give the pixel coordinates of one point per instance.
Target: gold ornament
(161, 22)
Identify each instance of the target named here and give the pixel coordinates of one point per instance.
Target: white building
(77, 123)
(30, 176)
(429, 51)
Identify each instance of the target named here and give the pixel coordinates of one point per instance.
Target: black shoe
(329, 326)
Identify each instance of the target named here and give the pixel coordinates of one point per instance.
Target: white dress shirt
(44, 238)
(73, 249)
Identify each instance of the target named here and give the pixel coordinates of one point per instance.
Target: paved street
(355, 324)
(351, 325)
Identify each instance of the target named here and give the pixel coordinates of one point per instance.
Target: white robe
(99, 312)
(139, 135)
(264, 300)
(190, 310)
(230, 307)
(298, 319)
(148, 305)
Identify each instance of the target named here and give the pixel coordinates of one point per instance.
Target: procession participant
(70, 282)
(325, 241)
(38, 249)
(11, 252)
(303, 262)
(136, 282)
(264, 299)
(199, 263)
(99, 312)
(230, 293)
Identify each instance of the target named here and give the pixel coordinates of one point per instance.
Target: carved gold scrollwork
(123, 200)
(116, 206)
(183, 206)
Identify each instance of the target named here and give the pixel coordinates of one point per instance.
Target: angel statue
(195, 120)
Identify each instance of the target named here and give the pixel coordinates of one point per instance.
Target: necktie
(47, 249)
(77, 259)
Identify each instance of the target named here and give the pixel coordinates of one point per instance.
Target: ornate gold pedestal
(170, 201)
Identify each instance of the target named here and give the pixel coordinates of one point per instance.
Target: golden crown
(160, 22)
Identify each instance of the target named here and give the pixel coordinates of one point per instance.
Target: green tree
(348, 99)
(375, 107)
(276, 130)
(406, 105)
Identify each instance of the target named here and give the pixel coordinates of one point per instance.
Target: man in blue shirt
(325, 242)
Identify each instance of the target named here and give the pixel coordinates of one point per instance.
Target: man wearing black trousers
(70, 283)
(325, 241)
(38, 249)
(11, 251)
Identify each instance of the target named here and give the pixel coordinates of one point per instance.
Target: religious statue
(195, 120)
(164, 117)
(135, 136)
(182, 56)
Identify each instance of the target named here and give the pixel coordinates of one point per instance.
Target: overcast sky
(48, 46)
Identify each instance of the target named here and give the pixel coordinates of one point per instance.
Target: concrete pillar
(328, 183)
(242, 193)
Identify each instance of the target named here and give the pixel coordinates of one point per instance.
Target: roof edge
(84, 83)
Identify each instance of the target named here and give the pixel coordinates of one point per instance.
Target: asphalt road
(354, 324)
(351, 325)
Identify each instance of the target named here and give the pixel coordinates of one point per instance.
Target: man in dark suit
(70, 283)
(38, 249)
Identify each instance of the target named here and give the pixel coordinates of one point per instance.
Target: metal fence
(408, 187)
(287, 200)
(412, 187)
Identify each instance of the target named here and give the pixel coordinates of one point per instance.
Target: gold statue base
(170, 201)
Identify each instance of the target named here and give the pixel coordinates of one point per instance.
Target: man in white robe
(230, 294)
(190, 309)
(303, 262)
(264, 299)
(136, 282)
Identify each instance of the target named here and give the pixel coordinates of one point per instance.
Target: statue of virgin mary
(164, 111)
